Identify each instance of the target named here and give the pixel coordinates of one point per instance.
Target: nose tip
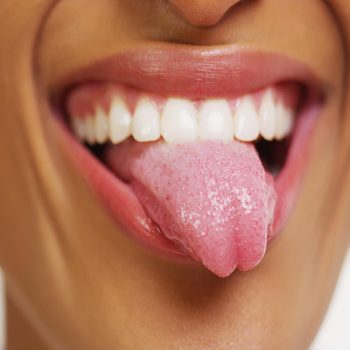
(202, 12)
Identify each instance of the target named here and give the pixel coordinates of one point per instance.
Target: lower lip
(131, 216)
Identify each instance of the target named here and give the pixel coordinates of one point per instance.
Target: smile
(197, 153)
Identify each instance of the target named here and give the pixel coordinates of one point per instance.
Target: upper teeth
(119, 121)
(215, 121)
(180, 121)
(146, 121)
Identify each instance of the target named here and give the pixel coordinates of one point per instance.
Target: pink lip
(194, 73)
(171, 70)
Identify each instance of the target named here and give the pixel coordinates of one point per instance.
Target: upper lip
(196, 72)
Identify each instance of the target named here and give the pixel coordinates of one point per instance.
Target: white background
(334, 334)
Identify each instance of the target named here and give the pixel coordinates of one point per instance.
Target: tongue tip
(227, 267)
(224, 273)
(227, 271)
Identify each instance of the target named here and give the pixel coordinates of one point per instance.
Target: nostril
(202, 12)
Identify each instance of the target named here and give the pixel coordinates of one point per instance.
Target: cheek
(18, 115)
(338, 204)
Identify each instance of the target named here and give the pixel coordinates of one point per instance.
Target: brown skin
(75, 281)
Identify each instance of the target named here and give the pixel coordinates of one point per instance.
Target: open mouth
(197, 153)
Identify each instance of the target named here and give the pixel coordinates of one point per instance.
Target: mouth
(196, 153)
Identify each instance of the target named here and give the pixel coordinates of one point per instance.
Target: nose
(202, 12)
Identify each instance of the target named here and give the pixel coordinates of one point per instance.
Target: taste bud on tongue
(214, 200)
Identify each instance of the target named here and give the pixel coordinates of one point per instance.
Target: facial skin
(75, 278)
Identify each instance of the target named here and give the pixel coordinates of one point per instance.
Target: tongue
(214, 200)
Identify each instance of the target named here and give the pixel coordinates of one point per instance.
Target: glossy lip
(174, 70)
(195, 73)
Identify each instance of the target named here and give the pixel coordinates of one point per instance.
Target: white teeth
(284, 123)
(78, 125)
(90, 130)
(246, 121)
(120, 121)
(215, 121)
(146, 121)
(267, 116)
(179, 121)
(101, 126)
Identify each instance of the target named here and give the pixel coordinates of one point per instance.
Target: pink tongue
(214, 200)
